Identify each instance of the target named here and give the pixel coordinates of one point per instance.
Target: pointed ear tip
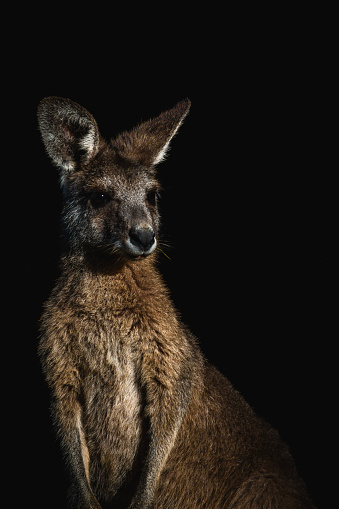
(47, 102)
(54, 100)
(49, 99)
(185, 103)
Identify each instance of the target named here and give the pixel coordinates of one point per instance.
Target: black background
(248, 208)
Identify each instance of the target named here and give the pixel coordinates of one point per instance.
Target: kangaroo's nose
(142, 237)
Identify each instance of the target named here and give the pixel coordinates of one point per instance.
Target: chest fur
(111, 397)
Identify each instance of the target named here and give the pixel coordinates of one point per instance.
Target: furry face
(112, 208)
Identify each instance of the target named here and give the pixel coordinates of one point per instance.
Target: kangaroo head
(110, 188)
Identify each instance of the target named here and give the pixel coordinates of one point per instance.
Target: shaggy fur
(143, 419)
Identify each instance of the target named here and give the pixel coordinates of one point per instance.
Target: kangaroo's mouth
(139, 257)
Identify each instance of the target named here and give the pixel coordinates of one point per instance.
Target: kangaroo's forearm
(172, 397)
(67, 411)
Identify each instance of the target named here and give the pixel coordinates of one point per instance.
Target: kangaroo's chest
(112, 405)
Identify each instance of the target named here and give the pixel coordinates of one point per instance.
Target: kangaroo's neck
(91, 283)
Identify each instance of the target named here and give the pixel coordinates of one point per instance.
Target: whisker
(110, 248)
(163, 252)
(165, 244)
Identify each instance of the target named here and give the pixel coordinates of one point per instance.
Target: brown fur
(143, 419)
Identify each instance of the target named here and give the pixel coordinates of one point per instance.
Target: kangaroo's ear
(69, 132)
(148, 143)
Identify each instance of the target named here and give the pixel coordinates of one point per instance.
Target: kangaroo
(143, 419)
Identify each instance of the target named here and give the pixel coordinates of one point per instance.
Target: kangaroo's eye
(98, 199)
(152, 197)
